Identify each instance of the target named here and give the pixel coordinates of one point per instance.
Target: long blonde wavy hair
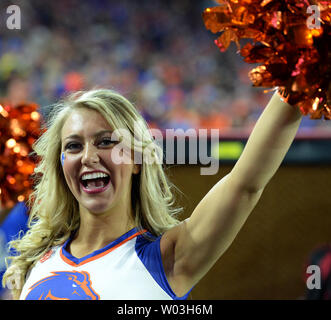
(54, 212)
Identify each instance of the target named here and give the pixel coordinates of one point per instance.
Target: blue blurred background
(157, 53)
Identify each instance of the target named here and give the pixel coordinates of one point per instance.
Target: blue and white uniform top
(129, 268)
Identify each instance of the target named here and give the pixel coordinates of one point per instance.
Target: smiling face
(90, 165)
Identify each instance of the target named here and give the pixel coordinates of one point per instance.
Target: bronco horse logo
(63, 285)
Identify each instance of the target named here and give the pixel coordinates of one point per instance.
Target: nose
(90, 155)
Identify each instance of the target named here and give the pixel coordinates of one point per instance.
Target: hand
(284, 94)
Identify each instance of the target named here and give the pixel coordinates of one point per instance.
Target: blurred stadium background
(157, 53)
(160, 56)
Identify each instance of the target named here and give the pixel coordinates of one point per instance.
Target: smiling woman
(104, 227)
(93, 178)
(85, 197)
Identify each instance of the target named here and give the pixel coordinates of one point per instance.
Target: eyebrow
(98, 134)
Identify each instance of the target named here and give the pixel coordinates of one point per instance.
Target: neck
(98, 230)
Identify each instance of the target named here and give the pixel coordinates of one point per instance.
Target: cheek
(121, 156)
(70, 165)
(63, 157)
(126, 175)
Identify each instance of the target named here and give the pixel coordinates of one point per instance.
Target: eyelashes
(72, 146)
(105, 142)
(108, 142)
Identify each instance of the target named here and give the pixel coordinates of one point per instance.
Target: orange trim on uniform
(65, 259)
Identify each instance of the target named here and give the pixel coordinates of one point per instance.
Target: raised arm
(192, 248)
(267, 145)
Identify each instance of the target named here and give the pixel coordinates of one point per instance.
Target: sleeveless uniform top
(129, 268)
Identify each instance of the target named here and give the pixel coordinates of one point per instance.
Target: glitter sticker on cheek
(62, 158)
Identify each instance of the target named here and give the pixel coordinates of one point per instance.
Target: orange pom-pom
(290, 41)
(20, 127)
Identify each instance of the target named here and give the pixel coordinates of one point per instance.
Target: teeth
(94, 175)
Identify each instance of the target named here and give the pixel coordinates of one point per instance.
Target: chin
(96, 204)
(96, 208)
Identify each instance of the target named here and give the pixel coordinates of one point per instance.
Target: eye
(72, 146)
(106, 142)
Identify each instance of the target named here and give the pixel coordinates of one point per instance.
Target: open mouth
(95, 182)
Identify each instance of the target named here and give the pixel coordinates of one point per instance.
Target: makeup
(63, 157)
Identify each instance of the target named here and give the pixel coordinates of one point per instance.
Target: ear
(136, 169)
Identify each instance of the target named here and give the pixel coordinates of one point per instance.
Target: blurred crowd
(157, 53)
